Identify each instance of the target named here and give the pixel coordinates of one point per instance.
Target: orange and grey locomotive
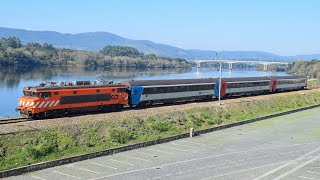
(56, 99)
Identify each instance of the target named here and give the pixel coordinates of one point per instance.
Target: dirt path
(66, 121)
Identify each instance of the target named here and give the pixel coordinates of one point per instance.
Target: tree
(13, 42)
(120, 51)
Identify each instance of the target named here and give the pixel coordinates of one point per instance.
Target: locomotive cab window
(45, 94)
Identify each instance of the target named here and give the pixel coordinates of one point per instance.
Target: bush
(121, 136)
(161, 126)
(205, 115)
(217, 120)
(227, 115)
(210, 122)
(194, 120)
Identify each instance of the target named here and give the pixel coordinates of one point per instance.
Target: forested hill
(307, 68)
(94, 41)
(14, 53)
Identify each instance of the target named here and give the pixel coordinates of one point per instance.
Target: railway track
(22, 119)
(12, 120)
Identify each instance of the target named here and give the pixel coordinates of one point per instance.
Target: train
(56, 99)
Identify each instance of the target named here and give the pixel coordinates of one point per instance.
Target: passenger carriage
(147, 92)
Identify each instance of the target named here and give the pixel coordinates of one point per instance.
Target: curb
(49, 164)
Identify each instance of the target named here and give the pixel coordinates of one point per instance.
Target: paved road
(286, 147)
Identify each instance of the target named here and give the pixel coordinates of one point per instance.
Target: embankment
(38, 141)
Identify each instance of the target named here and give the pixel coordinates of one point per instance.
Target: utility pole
(220, 69)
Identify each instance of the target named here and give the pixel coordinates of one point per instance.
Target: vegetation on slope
(36, 146)
(311, 69)
(13, 53)
(307, 68)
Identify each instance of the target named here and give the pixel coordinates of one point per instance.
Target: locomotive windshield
(37, 94)
(30, 93)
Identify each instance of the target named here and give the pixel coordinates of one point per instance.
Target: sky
(284, 27)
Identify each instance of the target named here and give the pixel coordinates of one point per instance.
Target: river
(12, 80)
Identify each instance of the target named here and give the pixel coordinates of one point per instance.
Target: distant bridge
(231, 62)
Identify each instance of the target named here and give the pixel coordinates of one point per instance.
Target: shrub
(205, 115)
(121, 136)
(210, 122)
(227, 115)
(161, 126)
(217, 120)
(194, 120)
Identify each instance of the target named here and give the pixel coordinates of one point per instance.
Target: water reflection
(11, 77)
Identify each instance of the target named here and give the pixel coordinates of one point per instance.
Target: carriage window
(98, 91)
(75, 92)
(56, 93)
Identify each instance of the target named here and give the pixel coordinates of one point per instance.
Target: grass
(36, 146)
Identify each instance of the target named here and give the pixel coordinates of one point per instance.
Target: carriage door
(273, 87)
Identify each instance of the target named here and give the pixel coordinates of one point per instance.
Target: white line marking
(145, 153)
(296, 168)
(46, 103)
(202, 158)
(175, 148)
(121, 162)
(66, 174)
(36, 105)
(197, 143)
(160, 151)
(102, 165)
(134, 157)
(244, 170)
(156, 178)
(285, 165)
(179, 172)
(56, 103)
(88, 170)
(36, 177)
(51, 103)
(313, 172)
(303, 177)
(41, 104)
(184, 145)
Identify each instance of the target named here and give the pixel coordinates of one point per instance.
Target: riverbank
(38, 141)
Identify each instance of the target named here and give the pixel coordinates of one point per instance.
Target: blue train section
(216, 89)
(136, 93)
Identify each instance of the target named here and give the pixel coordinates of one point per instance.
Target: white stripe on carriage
(280, 86)
(47, 103)
(146, 97)
(20, 102)
(178, 85)
(247, 89)
(36, 105)
(27, 103)
(56, 103)
(51, 103)
(41, 104)
(23, 103)
(31, 104)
